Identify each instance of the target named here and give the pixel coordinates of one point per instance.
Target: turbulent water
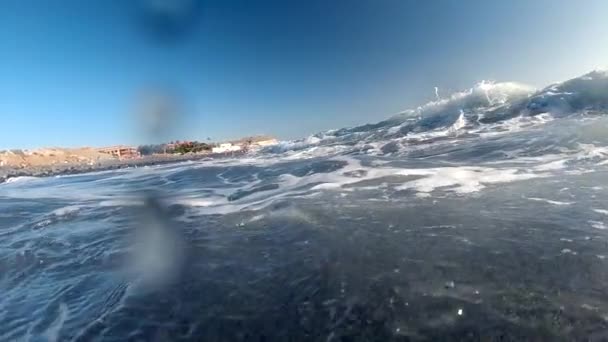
(476, 217)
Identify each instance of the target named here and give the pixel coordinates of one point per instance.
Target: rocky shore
(7, 172)
(51, 161)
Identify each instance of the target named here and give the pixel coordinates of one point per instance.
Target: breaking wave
(482, 215)
(488, 108)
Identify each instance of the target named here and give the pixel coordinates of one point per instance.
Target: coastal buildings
(225, 148)
(245, 144)
(120, 151)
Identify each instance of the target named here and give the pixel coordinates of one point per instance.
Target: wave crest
(486, 109)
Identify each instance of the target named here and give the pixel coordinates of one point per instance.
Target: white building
(226, 147)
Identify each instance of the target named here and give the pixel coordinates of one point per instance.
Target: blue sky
(71, 72)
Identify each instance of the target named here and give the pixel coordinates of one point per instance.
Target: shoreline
(79, 168)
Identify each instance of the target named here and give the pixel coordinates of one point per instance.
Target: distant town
(190, 147)
(53, 161)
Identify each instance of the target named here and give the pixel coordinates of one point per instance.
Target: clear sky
(71, 71)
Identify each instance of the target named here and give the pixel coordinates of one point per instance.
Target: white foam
(315, 152)
(513, 125)
(552, 166)
(70, 209)
(601, 211)
(548, 201)
(21, 179)
(598, 225)
(257, 218)
(568, 251)
(560, 161)
(195, 202)
(464, 179)
(379, 162)
(121, 202)
(423, 195)
(394, 129)
(493, 93)
(52, 332)
(459, 124)
(327, 186)
(590, 151)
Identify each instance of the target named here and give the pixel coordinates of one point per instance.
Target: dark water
(481, 217)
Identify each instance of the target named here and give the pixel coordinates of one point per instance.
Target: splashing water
(351, 233)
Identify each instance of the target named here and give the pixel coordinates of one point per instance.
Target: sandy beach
(58, 161)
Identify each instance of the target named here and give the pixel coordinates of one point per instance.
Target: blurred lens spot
(167, 20)
(158, 247)
(158, 112)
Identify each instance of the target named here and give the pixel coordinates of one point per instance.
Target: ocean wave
(344, 218)
(486, 110)
(67, 210)
(21, 179)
